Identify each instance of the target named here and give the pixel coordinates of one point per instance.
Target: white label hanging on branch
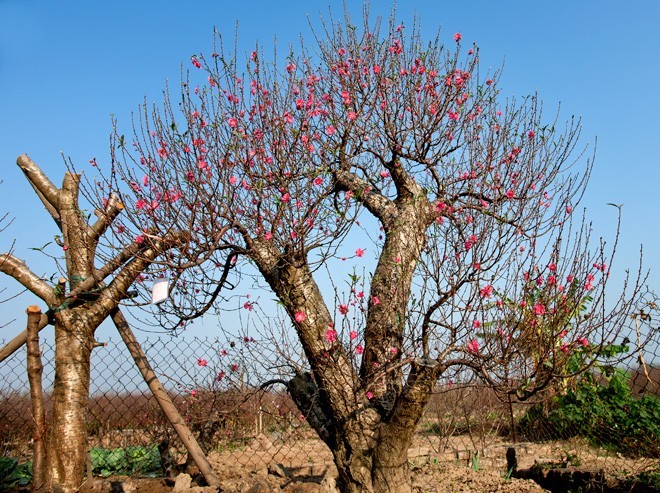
(160, 291)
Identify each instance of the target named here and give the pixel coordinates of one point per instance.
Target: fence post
(163, 398)
(35, 371)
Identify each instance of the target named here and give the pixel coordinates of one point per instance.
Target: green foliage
(130, 461)
(13, 474)
(600, 407)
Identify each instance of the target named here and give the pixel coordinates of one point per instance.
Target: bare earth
(305, 466)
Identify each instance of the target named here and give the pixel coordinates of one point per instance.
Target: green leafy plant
(130, 461)
(13, 474)
(599, 406)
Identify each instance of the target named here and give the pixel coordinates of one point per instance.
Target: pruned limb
(105, 218)
(47, 192)
(35, 372)
(17, 269)
(163, 398)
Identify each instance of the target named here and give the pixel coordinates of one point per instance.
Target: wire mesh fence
(610, 417)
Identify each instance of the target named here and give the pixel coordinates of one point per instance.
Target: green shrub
(13, 474)
(601, 408)
(129, 461)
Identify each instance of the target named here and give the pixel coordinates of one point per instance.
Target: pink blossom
(589, 284)
(318, 180)
(510, 194)
(564, 348)
(376, 69)
(351, 115)
(473, 346)
(234, 367)
(193, 392)
(232, 122)
(248, 306)
(343, 309)
(286, 197)
(453, 115)
(359, 252)
(201, 362)
(300, 316)
(220, 376)
(139, 239)
(486, 291)
(195, 62)
(394, 351)
(539, 309)
(353, 335)
(370, 395)
(476, 324)
(569, 209)
(268, 235)
(141, 204)
(375, 300)
(531, 134)
(331, 335)
(329, 130)
(359, 349)
(457, 37)
(162, 152)
(582, 341)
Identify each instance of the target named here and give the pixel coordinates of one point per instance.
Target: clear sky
(67, 66)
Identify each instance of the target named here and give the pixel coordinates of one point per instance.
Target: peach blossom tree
(468, 199)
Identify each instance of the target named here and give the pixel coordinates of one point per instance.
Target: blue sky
(67, 66)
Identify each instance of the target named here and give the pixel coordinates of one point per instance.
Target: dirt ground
(428, 480)
(304, 465)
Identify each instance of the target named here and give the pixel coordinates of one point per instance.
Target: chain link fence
(609, 418)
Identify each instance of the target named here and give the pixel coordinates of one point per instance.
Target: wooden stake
(35, 372)
(163, 398)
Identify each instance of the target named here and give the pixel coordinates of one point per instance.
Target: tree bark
(35, 372)
(68, 432)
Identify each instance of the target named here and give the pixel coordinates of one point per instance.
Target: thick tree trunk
(390, 469)
(68, 437)
(368, 461)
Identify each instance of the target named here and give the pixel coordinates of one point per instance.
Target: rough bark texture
(68, 437)
(35, 371)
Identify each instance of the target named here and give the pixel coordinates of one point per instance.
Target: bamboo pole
(35, 372)
(163, 398)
